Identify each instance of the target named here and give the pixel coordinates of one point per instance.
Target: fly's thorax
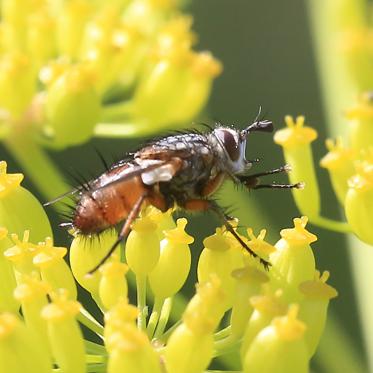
(230, 146)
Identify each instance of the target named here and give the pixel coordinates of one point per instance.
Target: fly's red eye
(231, 145)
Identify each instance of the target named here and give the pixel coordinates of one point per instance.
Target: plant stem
(163, 319)
(94, 348)
(223, 333)
(90, 322)
(154, 317)
(36, 164)
(332, 225)
(141, 301)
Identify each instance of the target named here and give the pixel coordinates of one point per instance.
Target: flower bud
(72, 107)
(32, 294)
(296, 140)
(8, 281)
(113, 284)
(131, 351)
(219, 257)
(314, 308)
(54, 270)
(206, 308)
(21, 255)
(248, 283)
(187, 352)
(19, 209)
(339, 162)
(265, 308)
(279, 347)
(173, 266)
(359, 199)
(41, 43)
(293, 261)
(19, 350)
(142, 246)
(70, 26)
(361, 130)
(85, 254)
(64, 333)
(15, 98)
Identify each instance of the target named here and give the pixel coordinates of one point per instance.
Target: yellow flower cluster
(66, 65)
(275, 317)
(350, 168)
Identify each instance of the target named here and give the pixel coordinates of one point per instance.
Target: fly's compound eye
(231, 145)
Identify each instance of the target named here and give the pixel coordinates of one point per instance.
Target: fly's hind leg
(134, 213)
(204, 205)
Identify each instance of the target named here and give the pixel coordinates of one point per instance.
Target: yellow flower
(296, 140)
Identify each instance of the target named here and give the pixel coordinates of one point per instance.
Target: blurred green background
(268, 58)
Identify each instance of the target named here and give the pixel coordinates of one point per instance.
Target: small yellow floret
(144, 224)
(364, 108)
(8, 181)
(363, 180)
(128, 339)
(318, 288)
(122, 312)
(114, 269)
(298, 235)
(205, 65)
(338, 154)
(250, 274)
(178, 235)
(48, 254)
(269, 303)
(3, 233)
(295, 134)
(8, 322)
(21, 249)
(217, 241)
(288, 327)
(61, 307)
(258, 245)
(31, 288)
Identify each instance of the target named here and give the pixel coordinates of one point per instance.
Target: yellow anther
(61, 307)
(20, 248)
(298, 235)
(295, 134)
(318, 287)
(48, 253)
(217, 241)
(205, 65)
(31, 288)
(338, 154)
(258, 245)
(178, 235)
(363, 180)
(289, 327)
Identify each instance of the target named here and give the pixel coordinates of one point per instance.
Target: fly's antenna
(259, 125)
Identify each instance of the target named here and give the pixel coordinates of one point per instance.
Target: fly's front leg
(204, 205)
(253, 181)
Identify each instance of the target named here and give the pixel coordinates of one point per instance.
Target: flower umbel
(276, 317)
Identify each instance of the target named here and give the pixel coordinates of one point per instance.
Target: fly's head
(232, 142)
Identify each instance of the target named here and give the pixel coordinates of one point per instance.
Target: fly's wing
(151, 172)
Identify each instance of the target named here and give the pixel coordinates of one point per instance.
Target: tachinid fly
(183, 170)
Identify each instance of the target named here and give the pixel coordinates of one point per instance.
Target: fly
(184, 171)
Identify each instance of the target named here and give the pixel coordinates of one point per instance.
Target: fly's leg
(204, 205)
(253, 181)
(134, 213)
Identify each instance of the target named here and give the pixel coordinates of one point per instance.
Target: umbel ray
(182, 170)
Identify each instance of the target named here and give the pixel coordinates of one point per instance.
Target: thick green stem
(329, 20)
(154, 317)
(163, 319)
(141, 302)
(37, 165)
(90, 322)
